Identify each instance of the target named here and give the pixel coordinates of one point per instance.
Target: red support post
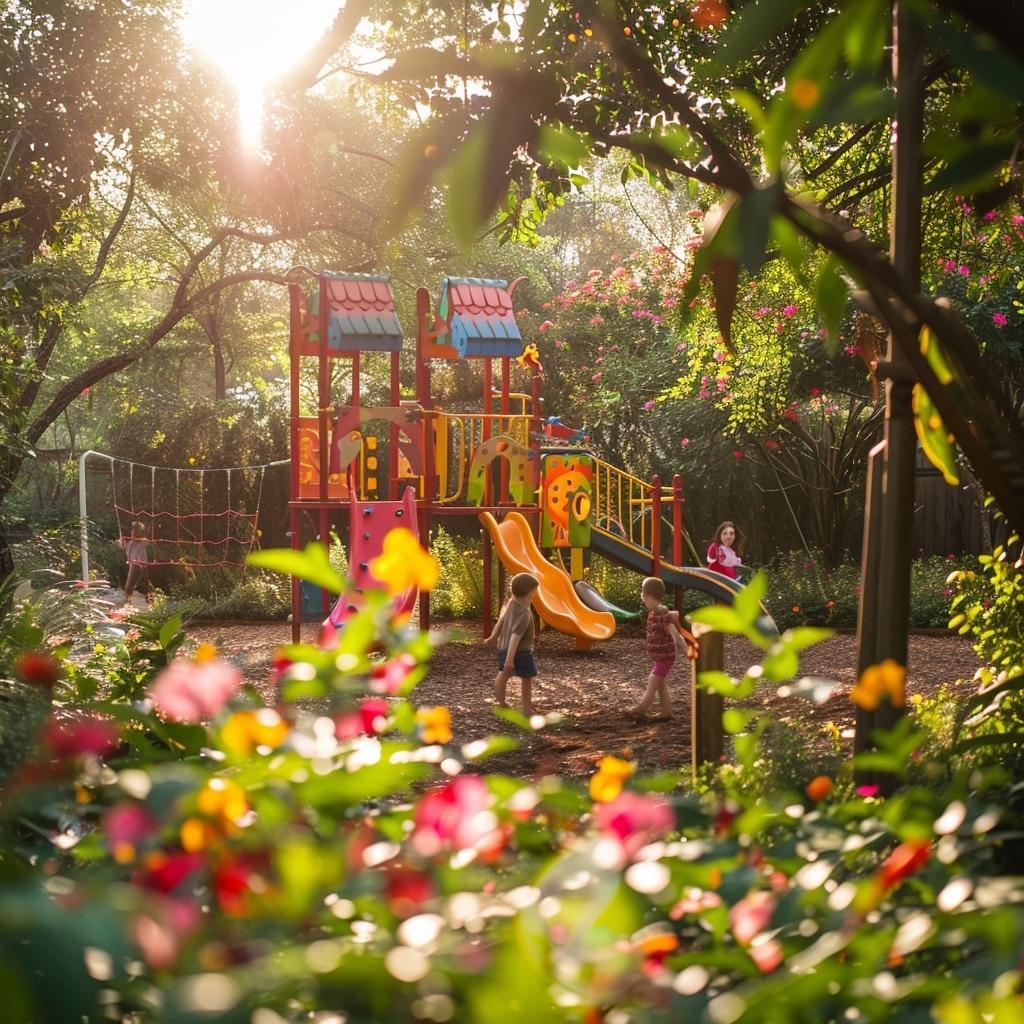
(656, 525)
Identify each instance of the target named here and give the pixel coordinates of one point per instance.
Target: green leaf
(756, 211)
(312, 564)
(831, 295)
(717, 682)
(720, 617)
(802, 637)
(867, 33)
(781, 663)
(561, 144)
(936, 441)
(735, 720)
(748, 599)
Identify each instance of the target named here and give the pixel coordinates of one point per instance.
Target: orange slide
(557, 603)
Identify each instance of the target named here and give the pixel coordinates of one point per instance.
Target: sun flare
(254, 43)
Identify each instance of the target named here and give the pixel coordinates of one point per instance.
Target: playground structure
(359, 470)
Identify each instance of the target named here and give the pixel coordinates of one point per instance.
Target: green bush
(803, 591)
(458, 593)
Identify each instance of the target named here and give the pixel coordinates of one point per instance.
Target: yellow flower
(877, 681)
(223, 799)
(245, 731)
(435, 725)
(403, 564)
(607, 782)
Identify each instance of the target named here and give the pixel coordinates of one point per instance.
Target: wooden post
(708, 736)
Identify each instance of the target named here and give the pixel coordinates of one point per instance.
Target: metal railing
(639, 510)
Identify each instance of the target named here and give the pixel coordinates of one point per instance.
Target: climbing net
(193, 517)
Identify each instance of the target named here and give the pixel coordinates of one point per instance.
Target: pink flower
(633, 819)
(991, 215)
(789, 310)
(188, 691)
(998, 318)
(457, 816)
(388, 678)
(965, 271)
(596, 377)
(950, 265)
(751, 916)
(771, 445)
(596, 321)
(648, 406)
(544, 326)
(685, 441)
(763, 311)
(737, 455)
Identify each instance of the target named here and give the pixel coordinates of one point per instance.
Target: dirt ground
(585, 694)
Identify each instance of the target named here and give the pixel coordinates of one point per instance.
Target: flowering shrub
(188, 854)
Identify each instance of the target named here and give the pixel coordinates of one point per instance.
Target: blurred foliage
(173, 850)
(345, 853)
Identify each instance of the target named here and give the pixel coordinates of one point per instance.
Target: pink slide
(557, 603)
(369, 523)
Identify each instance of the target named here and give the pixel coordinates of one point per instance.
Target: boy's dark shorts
(525, 665)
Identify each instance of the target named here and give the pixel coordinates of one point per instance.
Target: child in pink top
(721, 555)
(665, 636)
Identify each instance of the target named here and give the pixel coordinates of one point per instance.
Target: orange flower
(403, 564)
(819, 788)
(607, 782)
(907, 858)
(435, 724)
(887, 680)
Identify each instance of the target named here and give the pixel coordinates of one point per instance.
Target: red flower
(38, 668)
(374, 712)
(408, 888)
(165, 871)
(75, 739)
